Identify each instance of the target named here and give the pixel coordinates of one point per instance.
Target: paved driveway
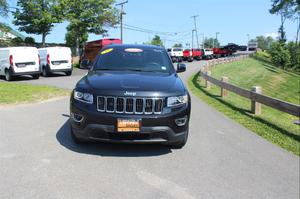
(221, 159)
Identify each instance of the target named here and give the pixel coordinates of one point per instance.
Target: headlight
(84, 97)
(176, 101)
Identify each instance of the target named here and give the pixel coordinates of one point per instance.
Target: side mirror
(181, 68)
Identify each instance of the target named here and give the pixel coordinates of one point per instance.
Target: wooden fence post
(224, 93)
(207, 83)
(255, 106)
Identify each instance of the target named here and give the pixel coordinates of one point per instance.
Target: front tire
(181, 143)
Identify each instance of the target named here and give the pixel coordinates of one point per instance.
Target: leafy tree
(280, 56)
(29, 40)
(89, 16)
(211, 42)
(37, 16)
(156, 41)
(287, 9)
(71, 38)
(294, 50)
(3, 8)
(264, 43)
(17, 41)
(179, 45)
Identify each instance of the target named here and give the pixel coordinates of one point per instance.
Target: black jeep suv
(132, 94)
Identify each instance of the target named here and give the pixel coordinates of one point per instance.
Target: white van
(16, 61)
(56, 59)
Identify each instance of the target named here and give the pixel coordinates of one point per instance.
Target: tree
(3, 8)
(287, 9)
(37, 16)
(264, 43)
(211, 42)
(89, 16)
(179, 45)
(280, 56)
(156, 41)
(29, 41)
(71, 38)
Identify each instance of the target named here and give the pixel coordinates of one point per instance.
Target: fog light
(76, 117)
(181, 121)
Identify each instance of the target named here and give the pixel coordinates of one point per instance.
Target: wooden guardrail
(254, 95)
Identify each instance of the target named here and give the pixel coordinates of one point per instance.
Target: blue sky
(234, 19)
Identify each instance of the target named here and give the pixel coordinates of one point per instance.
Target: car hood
(136, 83)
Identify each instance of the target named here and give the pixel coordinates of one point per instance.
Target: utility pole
(193, 38)
(215, 44)
(121, 16)
(248, 36)
(195, 16)
(202, 34)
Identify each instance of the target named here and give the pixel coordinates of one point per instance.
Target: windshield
(134, 59)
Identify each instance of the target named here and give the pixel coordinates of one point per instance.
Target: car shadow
(63, 136)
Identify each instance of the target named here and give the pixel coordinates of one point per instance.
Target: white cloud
(274, 35)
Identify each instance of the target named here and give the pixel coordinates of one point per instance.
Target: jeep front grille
(130, 105)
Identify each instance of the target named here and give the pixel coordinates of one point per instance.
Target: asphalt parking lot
(221, 159)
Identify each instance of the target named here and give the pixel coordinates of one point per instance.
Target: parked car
(17, 61)
(221, 52)
(55, 59)
(208, 53)
(131, 94)
(92, 48)
(197, 54)
(188, 55)
(176, 54)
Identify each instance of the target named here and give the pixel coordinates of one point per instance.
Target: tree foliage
(3, 8)
(264, 43)
(287, 9)
(280, 56)
(179, 45)
(211, 42)
(37, 16)
(70, 38)
(156, 41)
(89, 16)
(29, 41)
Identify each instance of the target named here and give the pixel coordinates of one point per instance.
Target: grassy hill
(273, 125)
(275, 82)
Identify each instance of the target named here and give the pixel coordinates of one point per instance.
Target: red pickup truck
(221, 52)
(197, 54)
(92, 48)
(188, 55)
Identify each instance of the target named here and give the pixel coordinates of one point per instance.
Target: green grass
(14, 93)
(273, 125)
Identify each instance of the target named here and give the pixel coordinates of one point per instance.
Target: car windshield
(134, 59)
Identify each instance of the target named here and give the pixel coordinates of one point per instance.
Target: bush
(29, 40)
(280, 55)
(17, 41)
(294, 51)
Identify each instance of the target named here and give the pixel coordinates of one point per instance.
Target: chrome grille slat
(130, 105)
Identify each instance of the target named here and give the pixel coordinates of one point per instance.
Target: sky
(233, 19)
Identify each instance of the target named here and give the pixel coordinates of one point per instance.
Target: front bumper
(97, 126)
